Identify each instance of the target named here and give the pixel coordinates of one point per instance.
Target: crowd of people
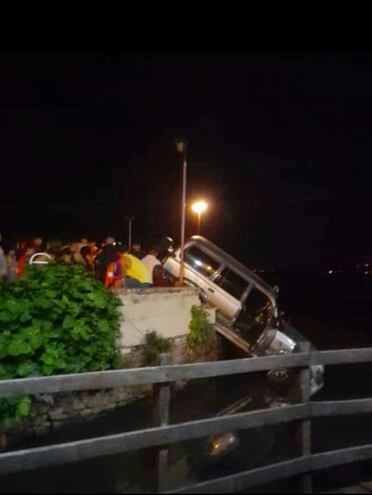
(111, 262)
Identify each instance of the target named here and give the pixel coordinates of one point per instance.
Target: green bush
(201, 330)
(153, 346)
(55, 320)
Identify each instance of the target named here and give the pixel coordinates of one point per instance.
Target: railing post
(163, 409)
(305, 383)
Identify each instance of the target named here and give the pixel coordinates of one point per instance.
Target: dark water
(333, 312)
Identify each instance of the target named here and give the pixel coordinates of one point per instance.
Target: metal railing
(164, 435)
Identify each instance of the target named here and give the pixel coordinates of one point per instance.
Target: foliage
(121, 362)
(57, 319)
(153, 346)
(201, 330)
(13, 410)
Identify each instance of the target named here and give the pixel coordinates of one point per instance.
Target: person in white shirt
(151, 260)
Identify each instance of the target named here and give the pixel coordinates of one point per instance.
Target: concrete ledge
(159, 290)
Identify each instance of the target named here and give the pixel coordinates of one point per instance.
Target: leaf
(19, 346)
(68, 322)
(28, 368)
(6, 316)
(98, 300)
(103, 326)
(6, 371)
(23, 407)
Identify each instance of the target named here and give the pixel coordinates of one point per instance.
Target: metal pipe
(130, 235)
(183, 221)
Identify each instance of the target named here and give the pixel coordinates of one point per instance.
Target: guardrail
(165, 434)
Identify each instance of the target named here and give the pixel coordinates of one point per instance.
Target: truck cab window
(232, 283)
(201, 261)
(255, 316)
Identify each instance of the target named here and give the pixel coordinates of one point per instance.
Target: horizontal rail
(141, 376)
(274, 472)
(342, 356)
(340, 407)
(326, 460)
(163, 374)
(240, 481)
(23, 460)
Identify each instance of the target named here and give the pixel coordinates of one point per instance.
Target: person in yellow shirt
(127, 271)
(134, 273)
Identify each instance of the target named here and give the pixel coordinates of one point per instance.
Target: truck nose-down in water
(246, 304)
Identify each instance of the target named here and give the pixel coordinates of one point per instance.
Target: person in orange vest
(23, 259)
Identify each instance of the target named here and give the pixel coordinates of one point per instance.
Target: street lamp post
(181, 148)
(130, 221)
(199, 207)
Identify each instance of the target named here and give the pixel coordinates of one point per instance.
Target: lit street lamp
(181, 146)
(199, 207)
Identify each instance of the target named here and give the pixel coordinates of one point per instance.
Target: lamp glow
(199, 207)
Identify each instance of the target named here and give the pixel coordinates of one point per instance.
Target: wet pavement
(332, 313)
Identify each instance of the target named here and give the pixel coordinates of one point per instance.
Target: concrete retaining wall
(164, 310)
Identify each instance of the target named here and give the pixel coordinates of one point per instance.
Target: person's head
(84, 241)
(109, 240)
(153, 251)
(37, 242)
(93, 247)
(120, 250)
(30, 250)
(136, 247)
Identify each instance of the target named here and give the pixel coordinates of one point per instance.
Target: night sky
(280, 145)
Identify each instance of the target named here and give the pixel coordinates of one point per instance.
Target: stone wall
(49, 412)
